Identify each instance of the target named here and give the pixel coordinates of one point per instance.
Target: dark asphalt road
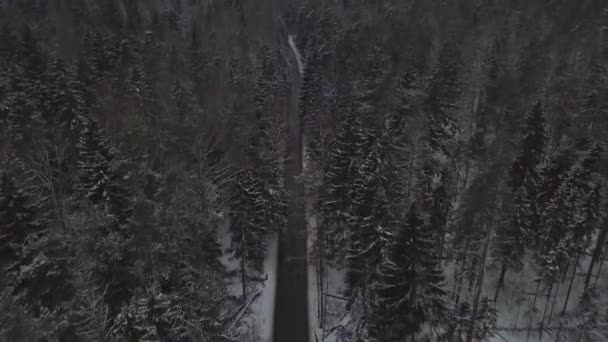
(291, 302)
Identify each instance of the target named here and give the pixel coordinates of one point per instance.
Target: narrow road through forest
(291, 301)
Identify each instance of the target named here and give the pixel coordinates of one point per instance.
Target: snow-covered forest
(450, 182)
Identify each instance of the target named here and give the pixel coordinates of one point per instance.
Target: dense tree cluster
(450, 149)
(119, 166)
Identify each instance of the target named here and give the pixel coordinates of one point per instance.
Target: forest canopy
(454, 167)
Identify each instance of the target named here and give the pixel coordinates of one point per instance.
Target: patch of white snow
(263, 307)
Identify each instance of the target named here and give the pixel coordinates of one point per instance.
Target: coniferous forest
(211, 170)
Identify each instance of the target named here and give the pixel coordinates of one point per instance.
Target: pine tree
(252, 220)
(518, 228)
(34, 257)
(9, 47)
(101, 174)
(181, 99)
(532, 68)
(368, 219)
(566, 211)
(410, 287)
(312, 103)
(533, 145)
(594, 106)
(524, 178)
(344, 154)
(95, 55)
(441, 103)
(509, 247)
(369, 90)
(486, 325)
(112, 15)
(435, 200)
(30, 55)
(152, 316)
(101, 177)
(588, 316)
(141, 91)
(267, 147)
(18, 220)
(67, 102)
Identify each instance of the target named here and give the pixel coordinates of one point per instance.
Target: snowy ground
(263, 308)
(518, 319)
(517, 314)
(333, 309)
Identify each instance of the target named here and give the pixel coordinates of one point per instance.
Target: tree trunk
(324, 310)
(501, 280)
(570, 285)
(411, 170)
(599, 270)
(554, 302)
(565, 275)
(243, 266)
(521, 299)
(320, 275)
(517, 315)
(542, 321)
(473, 277)
(597, 254)
(559, 330)
(533, 308)
(458, 278)
(478, 287)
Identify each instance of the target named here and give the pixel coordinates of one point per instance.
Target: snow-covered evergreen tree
(257, 210)
(345, 153)
(18, 221)
(313, 105)
(101, 174)
(368, 219)
(524, 176)
(441, 103)
(410, 290)
(569, 207)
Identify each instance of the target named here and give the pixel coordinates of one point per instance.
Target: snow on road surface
(296, 52)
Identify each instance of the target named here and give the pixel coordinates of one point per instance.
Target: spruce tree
(101, 174)
(521, 219)
(67, 104)
(29, 54)
(524, 178)
(567, 207)
(255, 210)
(533, 145)
(98, 55)
(441, 104)
(34, 256)
(139, 88)
(594, 106)
(368, 218)
(312, 105)
(18, 220)
(9, 47)
(340, 170)
(410, 290)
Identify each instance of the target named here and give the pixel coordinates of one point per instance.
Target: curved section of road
(291, 300)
